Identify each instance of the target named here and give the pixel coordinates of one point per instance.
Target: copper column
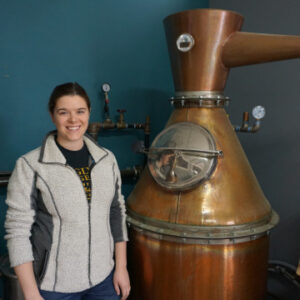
(210, 241)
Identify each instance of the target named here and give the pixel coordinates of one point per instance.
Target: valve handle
(121, 110)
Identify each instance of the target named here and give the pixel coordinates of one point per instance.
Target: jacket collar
(50, 153)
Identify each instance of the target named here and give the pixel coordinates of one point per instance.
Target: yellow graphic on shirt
(84, 174)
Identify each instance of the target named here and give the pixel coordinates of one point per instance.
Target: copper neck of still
(218, 45)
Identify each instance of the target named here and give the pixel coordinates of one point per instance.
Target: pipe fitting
(258, 113)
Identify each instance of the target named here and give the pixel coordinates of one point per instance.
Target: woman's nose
(72, 117)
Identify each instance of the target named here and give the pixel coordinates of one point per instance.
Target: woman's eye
(62, 113)
(81, 111)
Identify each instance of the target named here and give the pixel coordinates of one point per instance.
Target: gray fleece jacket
(50, 222)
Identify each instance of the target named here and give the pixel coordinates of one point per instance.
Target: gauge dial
(105, 87)
(258, 112)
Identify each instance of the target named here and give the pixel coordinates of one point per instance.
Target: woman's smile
(73, 127)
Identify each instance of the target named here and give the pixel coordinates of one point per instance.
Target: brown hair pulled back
(67, 89)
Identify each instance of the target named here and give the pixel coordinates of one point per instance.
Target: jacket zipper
(89, 215)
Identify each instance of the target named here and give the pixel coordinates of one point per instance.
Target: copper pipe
(249, 129)
(245, 48)
(245, 125)
(147, 125)
(95, 127)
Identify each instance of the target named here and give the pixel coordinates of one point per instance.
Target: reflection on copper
(171, 176)
(183, 271)
(212, 264)
(246, 48)
(231, 196)
(219, 46)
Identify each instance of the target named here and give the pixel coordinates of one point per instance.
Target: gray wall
(274, 151)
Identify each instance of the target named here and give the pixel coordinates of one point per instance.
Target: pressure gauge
(182, 155)
(258, 112)
(105, 87)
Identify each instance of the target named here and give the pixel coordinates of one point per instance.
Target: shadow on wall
(290, 243)
(156, 104)
(271, 172)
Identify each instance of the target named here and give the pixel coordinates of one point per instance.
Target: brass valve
(121, 123)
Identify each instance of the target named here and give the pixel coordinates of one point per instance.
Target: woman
(66, 214)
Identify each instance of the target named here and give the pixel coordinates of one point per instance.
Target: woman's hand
(33, 295)
(121, 278)
(27, 281)
(121, 282)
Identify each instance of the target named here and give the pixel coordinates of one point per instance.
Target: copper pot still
(198, 220)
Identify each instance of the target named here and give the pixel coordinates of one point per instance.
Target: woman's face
(71, 117)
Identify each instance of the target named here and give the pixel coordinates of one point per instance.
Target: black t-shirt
(80, 161)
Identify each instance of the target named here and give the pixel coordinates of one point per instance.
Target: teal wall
(44, 43)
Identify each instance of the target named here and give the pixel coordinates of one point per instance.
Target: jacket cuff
(20, 251)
